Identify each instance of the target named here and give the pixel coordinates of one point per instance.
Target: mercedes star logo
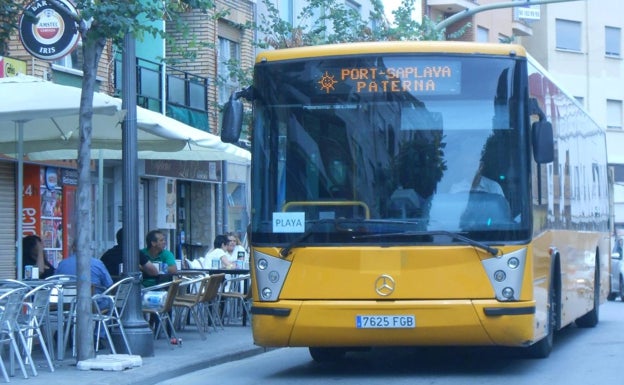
(384, 285)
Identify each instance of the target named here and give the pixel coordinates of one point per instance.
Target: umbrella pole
(99, 226)
(20, 198)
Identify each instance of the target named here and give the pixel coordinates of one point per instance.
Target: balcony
(520, 28)
(451, 7)
(186, 94)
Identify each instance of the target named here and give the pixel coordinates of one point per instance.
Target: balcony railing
(186, 93)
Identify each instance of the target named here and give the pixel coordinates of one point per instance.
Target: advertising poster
(51, 214)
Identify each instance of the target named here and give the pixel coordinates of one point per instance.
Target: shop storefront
(188, 200)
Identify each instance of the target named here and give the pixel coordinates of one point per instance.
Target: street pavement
(169, 361)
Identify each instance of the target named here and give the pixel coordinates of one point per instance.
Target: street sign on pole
(531, 12)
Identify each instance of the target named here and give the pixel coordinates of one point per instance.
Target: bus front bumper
(437, 323)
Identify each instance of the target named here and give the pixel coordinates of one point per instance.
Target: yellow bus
(420, 194)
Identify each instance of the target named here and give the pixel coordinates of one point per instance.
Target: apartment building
(580, 43)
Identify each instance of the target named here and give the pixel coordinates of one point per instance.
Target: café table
(58, 297)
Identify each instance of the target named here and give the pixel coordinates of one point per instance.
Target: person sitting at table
(100, 278)
(32, 255)
(113, 258)
(219, 253)
(156, 253)
(235, 250)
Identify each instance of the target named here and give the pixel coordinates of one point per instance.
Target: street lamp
(140, 337)
(469, 12)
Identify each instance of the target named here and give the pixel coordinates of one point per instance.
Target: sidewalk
(233, 343)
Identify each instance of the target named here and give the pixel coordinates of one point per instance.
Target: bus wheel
(327, 354)
(543, 347)
(590, 319)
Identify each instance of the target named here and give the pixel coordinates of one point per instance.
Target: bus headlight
(270, 272)
(505, 273)
(513, 263)
(273, 276)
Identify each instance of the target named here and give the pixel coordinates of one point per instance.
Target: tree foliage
(9, 12)
(327, 22)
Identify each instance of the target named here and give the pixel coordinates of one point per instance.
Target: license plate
(385, 321)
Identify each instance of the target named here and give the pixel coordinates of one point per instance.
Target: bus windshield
(390, 149)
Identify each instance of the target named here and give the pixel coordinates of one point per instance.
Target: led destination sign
(421, 78)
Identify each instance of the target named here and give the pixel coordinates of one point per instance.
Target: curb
(195, 366)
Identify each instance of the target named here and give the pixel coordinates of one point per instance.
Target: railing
(186, 96)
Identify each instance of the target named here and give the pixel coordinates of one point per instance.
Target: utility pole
(469, 12)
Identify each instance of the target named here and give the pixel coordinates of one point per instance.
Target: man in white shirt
(218, 253)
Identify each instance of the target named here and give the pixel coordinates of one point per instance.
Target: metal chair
(108, 309)
(162, 311)
(7, 282)
(189, 302)
(209, 302)
(36, 306)
(10, 308)
(235, 298)
(61, 277)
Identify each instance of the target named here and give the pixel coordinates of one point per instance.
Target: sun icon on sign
(327, 82)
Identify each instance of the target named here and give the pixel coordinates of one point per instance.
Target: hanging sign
(52, 33)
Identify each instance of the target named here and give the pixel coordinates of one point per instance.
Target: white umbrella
(200, 145)
(46, 114)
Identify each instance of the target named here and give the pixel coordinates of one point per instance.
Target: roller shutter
(7, 220)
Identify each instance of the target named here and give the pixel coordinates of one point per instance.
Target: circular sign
(52, 33)
(51, 178)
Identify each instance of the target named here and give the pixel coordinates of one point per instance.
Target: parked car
(617, 277)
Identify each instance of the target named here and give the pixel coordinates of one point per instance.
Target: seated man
(100, 278)
(113, 258)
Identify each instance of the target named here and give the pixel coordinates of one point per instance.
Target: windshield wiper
(480, 245)
(286, 250)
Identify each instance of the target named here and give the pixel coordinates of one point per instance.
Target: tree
(327, 22)
(98, 21)
(9, 12)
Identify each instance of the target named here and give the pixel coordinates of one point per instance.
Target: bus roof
(390, 47)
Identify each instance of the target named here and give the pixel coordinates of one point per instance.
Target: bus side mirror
(232, 123)
(543, 142)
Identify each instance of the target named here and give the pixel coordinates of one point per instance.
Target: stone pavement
(233, 343)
